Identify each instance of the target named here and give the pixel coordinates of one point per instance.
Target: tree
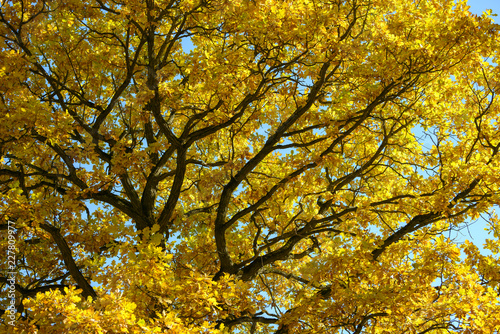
(199, 166)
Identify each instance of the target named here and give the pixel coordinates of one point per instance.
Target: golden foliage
(249, 166)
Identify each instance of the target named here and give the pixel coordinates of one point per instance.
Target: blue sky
(476, 232)
(479, 6)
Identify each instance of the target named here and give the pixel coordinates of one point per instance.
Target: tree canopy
(249, 166)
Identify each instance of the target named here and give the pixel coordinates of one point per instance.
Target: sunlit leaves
(250, 166)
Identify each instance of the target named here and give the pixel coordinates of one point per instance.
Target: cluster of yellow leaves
(156, 138)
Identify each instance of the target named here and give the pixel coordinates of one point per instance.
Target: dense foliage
(248, 166)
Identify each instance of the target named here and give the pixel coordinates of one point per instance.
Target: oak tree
(265, 166)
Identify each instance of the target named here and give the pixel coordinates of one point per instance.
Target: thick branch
(88, 291)
(220, 224)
